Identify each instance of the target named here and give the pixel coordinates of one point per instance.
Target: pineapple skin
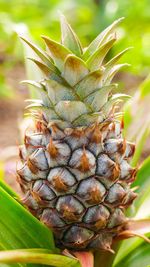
(75, 171)
(78, 182)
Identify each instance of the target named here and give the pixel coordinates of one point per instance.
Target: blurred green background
(88, 18)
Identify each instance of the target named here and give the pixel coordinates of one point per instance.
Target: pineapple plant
(75, 162)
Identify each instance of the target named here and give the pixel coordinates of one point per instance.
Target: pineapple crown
(76, 90)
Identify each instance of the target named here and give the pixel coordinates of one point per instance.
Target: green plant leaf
(37, 256)
(2, 170)
(58, 52)
(75, 69)
(137, 129)
(4, 186)
(143, 175)
(95, 61)
(141, 140)
(69, 38)
(19, 229)
(70, 110)
(115, 59)
(101, 39)
(139, 256)
(141, 204)
(41, 54)
(89, 84)
(109, 73)
(97, 99)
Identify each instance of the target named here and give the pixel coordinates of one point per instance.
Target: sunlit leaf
(37, 256)
(69, 38)
(19, 229)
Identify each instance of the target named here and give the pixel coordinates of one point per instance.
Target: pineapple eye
(51, 218)
(91, 190)
(78, 235)
(61, 179)
(69, 208)
(97, 217)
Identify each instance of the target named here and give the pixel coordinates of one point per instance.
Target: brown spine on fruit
(122, 147)
(122, 123)
(69, 214)
(32, 167)
(58, 184)
(94, 196)
(53, 151)
(96, 135)
(36, 196)
(84, 165)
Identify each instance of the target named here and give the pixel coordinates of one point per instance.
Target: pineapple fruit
(75, 170)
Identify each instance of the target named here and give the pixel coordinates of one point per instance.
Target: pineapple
(75, 170)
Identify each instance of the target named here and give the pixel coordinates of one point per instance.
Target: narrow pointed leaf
(57, 92)
(88, 119)
(143, 175)
(29, 256)
(137, 257)
(140, 142)
(41, 54)
(18, 228)
(95, 61)
(141, 226)
(69, 38)
(89, 84)
(115, 59)
(75, 69)
(6, 188)
(70, 110)
(101, 39)
(47, 71)
(141, 204)
(49, 113)
(113, 101)
(41, 89)
(97, 99)
(44, 68)
(58, 52)
(109, 73)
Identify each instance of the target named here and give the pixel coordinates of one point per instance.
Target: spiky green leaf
(70, 110)
(16, 232)
(88, 119)
(97, 99)
(41, 89)
(138, 256)
(115, 59)
(43, 67)
(75, 69)
(40, 53)
(95, 61)
(57, 92)
(101, 39)
(58, 52)
(69, 38)
(109, 73)
(89, 84)
(38, 257)
(116, 98)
